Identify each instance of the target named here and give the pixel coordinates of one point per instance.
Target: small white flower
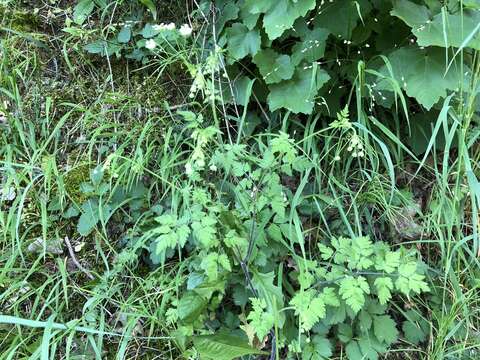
(185, 30)
(170, 26)
(336, 158)
(213, 168)
(151, 44)
(188, 169)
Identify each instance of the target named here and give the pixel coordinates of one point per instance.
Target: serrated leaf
(319, 348)
(415, 328)
(388, 262)
(352, 291)
(383, 286)
(364, 321)
(329, 297)
(421, 73)
(274, 67)
(410, 280)
(309, 307)
(325, 251)
(260, 318)
(353, 351)
(82, 10)
(273, 295)
(385, 329)
(298, 93)
(223, 347)
(242, 42)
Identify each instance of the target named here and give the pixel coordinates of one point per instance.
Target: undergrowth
(239, 179)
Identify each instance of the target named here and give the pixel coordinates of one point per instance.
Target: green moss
(19, 20)
(73, 179)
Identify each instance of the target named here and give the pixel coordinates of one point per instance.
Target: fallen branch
(75, 261)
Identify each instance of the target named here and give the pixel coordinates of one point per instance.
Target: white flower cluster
(356, 146)
(184, 31)
(163, 26)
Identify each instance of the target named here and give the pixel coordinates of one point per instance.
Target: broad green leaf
(242, 42)
(125, 34)
(345, 332)
(312, 46)
(444, 29)
(249, 18)
(228, 12)
(89, 218)
(282, 15)
(421, 73)
(341, 17)
(223, 347)
(414, 15)
(385, 329)
(82, 10)
(258, 6)
(274, 67)
(297, 94)
(96, 175)
(413, 332)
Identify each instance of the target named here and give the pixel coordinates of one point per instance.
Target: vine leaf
(282, 15)
(242, 42)
(341, 17)
(312, 46)
(421, 73)
(274, 67)
(298, 93)
(441, 29)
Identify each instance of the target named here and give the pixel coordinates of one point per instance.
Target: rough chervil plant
(240, 179)
(237, 235)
